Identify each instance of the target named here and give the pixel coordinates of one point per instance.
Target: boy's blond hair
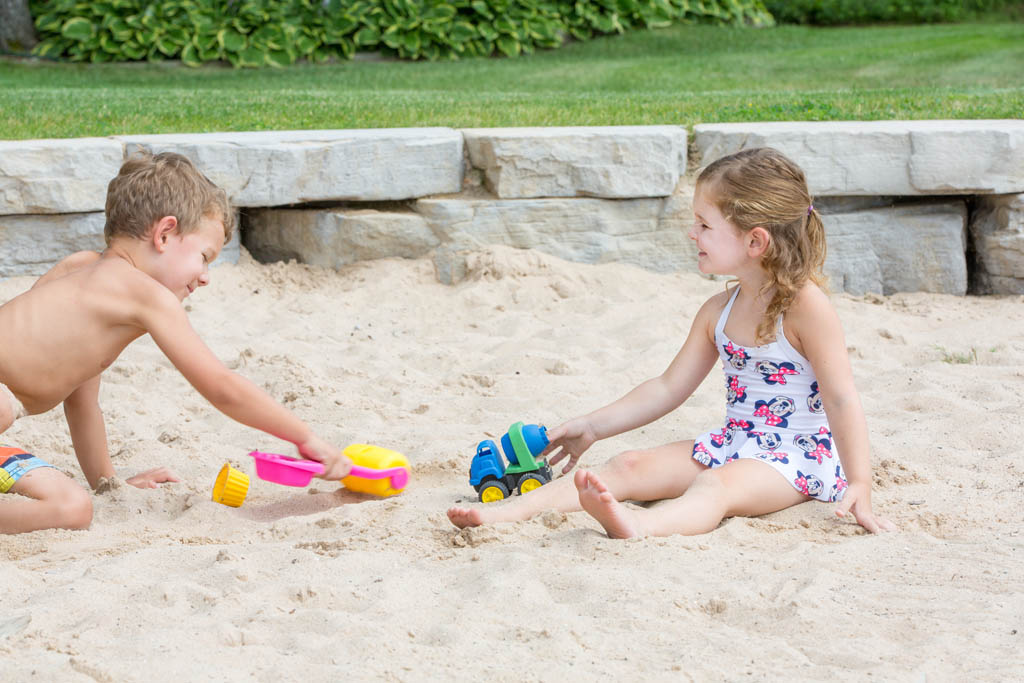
(763, 188)
(151, 186)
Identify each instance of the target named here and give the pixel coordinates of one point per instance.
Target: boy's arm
(164, 319)
(88, 433)
(89, 438)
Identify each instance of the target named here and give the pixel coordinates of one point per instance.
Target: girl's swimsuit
(773, 414)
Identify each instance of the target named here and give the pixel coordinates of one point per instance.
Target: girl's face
(722, 247)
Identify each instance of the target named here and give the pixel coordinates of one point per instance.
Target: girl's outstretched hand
(857, 500)
(336, 464)
(572, 439)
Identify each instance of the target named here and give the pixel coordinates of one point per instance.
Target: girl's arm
(820, 335)
(650, 400)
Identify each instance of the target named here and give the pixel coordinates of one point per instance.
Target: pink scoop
(282, 469)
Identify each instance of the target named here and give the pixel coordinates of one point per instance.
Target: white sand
(319, 584)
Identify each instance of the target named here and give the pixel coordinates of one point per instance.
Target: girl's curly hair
(761, 187)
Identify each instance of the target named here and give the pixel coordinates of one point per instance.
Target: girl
(794, 427)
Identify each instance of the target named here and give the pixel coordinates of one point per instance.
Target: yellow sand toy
(375, 470)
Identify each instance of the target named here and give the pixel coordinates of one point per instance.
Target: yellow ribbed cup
(231, 486)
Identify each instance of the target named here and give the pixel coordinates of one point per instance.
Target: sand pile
(321, 584)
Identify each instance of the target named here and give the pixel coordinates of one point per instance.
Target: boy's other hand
(151, 479)
(336, 464)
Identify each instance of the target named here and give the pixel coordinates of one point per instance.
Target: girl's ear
(758, 241)
(163, 229)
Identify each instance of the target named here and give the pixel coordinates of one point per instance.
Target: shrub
(279, 32)
(834, 12)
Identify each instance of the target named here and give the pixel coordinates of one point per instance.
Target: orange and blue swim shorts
(14, 463)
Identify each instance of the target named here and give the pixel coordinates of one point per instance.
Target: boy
(165, 223)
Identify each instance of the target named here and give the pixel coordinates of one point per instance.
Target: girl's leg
(746, 488)
(51, 501)
(654, 474)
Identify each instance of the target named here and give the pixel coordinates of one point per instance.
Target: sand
(321, 584)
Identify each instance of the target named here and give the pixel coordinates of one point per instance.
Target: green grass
(681, 75)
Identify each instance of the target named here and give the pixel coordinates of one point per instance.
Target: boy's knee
(74, 508)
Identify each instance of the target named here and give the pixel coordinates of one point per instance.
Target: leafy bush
(833, 12)
(279, 32)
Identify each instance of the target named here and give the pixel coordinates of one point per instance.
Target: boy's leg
(51, 500)
(746, 488)
(653, 474)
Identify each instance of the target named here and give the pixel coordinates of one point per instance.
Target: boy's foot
(598, 501)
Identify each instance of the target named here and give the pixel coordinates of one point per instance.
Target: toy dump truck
(522, 445)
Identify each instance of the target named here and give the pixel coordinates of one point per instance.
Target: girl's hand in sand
(572, 439)
(151, 479)
(857, 500)
(336, 464)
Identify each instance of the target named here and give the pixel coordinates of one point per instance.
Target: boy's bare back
(71, 326)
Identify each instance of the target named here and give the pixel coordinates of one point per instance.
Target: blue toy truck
(522, 444)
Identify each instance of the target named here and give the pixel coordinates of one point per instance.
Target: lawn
(680, 75)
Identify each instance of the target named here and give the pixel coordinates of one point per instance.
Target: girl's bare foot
(488, 513)
(598, 501)
(463, 517)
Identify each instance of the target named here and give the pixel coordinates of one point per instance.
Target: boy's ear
(163, 229)
(758, 241)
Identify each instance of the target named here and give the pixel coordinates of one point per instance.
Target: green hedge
(835, 12)
(279, 32)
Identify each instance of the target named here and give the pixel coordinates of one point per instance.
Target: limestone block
(610, 161)
(997, 226)
(292, 167)
(31, 245)
(644, 232)
(885, 157)
(903, 248)
(334, 238)
(56, 176)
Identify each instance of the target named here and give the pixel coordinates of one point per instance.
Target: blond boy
(166, 222)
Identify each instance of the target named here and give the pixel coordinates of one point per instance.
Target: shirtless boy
(165, 223)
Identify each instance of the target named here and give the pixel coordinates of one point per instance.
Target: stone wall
(908, 205)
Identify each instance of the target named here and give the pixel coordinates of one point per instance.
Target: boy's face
(186, 259)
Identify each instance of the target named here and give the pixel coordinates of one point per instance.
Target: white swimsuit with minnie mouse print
(774, 413)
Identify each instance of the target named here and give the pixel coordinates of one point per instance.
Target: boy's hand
(857, 500)
(336, 464)
(151, 479)
(572, 438)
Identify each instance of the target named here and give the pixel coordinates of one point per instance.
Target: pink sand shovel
(375, 470)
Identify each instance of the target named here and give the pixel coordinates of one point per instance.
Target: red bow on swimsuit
(780, 376)
(769, 418)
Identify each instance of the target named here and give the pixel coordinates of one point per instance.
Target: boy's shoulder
(105, 275)
(69, 264)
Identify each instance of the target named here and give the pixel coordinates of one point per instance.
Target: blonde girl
(794, 428)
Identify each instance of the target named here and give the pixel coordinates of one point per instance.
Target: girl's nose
(204, 279)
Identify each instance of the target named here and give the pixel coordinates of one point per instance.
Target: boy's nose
(204, 279)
